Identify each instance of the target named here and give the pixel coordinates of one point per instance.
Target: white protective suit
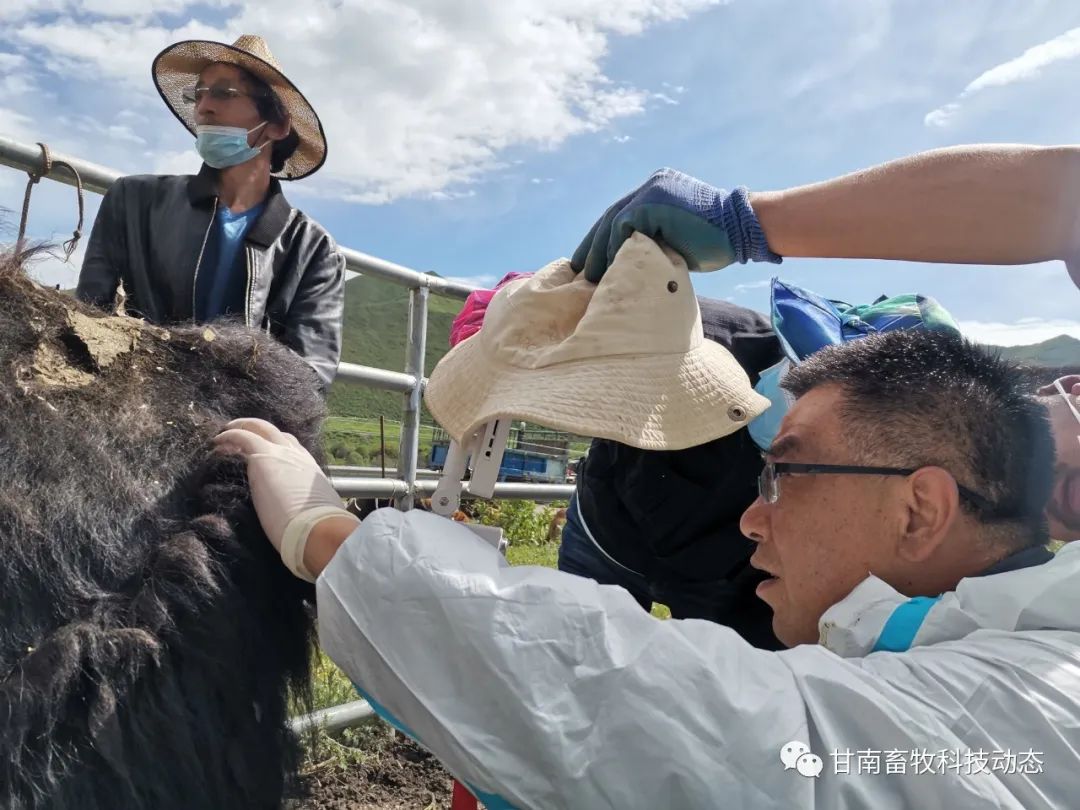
(540, 689)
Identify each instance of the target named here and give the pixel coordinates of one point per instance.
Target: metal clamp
(483, 452)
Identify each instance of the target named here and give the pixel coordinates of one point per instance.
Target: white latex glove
(289, 491)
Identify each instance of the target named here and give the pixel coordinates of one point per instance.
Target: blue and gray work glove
(711, 228)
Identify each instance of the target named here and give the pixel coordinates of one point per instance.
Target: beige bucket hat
(625, 359)
(179, 66)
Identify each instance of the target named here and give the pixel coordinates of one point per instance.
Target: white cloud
(1019, 333)
(1031, 63)
(483, 281)
(182, 161)
(451, 195)
(621, 138)
(119, 132)
(11, 61)
(752, 285)
(96, 128)
(139, 8)
(112, 50)
(16, 125)
(942, 116)
(867, 29)
(418, 98)
(15, 84)
(1028, 66)
(131, 115)
(12, 10)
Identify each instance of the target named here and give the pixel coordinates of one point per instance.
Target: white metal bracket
(483, 451)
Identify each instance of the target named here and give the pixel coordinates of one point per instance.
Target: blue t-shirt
(222, 282)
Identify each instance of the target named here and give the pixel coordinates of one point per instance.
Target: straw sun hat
(625, 359)
(178, 67)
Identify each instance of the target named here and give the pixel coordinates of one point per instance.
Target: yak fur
(149, 634)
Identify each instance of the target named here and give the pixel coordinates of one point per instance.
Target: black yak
(149, 634)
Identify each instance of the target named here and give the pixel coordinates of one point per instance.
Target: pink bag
(471, 318)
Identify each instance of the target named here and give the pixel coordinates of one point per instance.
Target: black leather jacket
(150, 234)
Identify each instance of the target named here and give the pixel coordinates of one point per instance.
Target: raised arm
(986, 204)
(982, 204)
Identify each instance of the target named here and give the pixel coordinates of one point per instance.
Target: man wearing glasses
(226, 243)
(934, 639)
(918, 471)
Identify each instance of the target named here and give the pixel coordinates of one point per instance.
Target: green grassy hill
(1057, 352)
(376, 323)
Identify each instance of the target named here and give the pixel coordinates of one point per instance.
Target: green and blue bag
(805, 323)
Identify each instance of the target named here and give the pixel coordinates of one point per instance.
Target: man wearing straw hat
(226, 242)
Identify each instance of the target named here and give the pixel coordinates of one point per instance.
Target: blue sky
(474, 137)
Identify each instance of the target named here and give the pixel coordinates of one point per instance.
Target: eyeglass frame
(773, 470)
(219, 91)
(1068, 398)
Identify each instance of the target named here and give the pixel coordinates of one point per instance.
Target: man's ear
(932, 503)
(277, 132)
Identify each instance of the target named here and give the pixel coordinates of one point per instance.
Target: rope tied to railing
(35, 176)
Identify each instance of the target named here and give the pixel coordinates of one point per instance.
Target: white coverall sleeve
(539, 689)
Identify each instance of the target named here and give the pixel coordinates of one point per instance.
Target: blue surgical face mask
(764, 428)
(222, 147)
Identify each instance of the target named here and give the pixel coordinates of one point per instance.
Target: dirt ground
(402, 777)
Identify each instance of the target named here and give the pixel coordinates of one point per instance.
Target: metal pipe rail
(379, 378)
(335, 718)
(358, 487)
(349, 471)
(27, 158)
(388, 271)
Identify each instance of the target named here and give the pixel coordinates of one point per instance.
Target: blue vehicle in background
(534, 455)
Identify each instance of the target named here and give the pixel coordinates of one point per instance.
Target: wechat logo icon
(797, 755)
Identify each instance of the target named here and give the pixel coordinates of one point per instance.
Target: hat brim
(179, 66)
(652, 402)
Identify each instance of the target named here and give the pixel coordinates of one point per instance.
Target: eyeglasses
(219, 91)
(769, 479)
(1068, 399)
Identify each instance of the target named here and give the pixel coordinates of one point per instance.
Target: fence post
(409, 447)
(382, 445)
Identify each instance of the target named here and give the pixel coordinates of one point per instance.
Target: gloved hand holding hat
(625, 359)
(709, 227)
